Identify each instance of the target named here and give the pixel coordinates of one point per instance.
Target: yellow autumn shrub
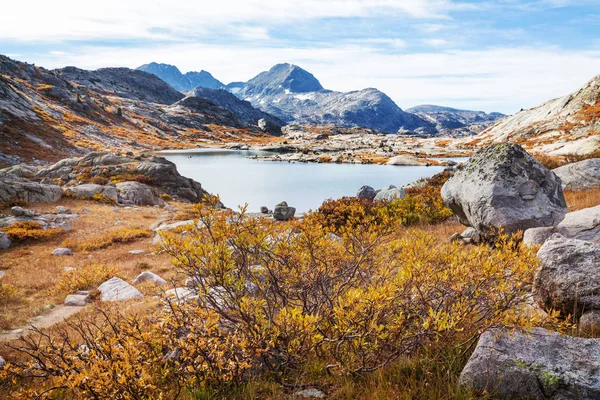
(102, 241)
(85, 277)
(21, 231)
(273, 297)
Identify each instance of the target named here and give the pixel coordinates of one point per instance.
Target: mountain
(295, 95)
(47, 115)
(455, 122)
(182, 82)
(243, 109)
(566, 125)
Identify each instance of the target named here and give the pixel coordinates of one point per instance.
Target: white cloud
(253, 33)
(436, 42)
(58, 20)
(498, 79)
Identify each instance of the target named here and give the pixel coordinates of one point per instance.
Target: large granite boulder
(502, 186)
(14, 188)
(583, 224)
(88, 190)
(149, 276)
(116, 289)
(535, 365)
(389, 194)
(580, 175)
(138, 194)
(22, 171)
(569, 276)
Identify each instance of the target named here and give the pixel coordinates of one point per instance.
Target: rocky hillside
(566, 125)
(182, 82)
(48, 115)
(293, 94)
(454, 122)
(242, 109)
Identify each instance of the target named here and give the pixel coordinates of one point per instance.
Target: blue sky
(496, 55)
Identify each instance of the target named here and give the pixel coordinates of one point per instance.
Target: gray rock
(136, 252)
(62, 251)
(22, 171)
(580, 175)
(116, 289)
(138, 193)
(391, 193)
(76, 300)
(88, 190)
(16, 188)
(69, 269)
(120, 223)
(282, 212)
(269, 126)
(175, 225)
(2, 363)
(502, 186)
(539, 365)
(264, 210)
(17, 211)
(148, 276)
(181, 294)
(366, 192)
(2, 274)
(5, 241)
(63, 210)
(405, 160)
(569, 276)
(583, 224)
(310, 393)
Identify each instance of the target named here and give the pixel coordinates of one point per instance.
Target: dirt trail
(52, 317)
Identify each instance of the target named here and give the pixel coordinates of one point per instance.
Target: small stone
(5, 241)
(264, 210)
(136, 252)
(2, 273)
(85, 211)
(119, 223)
(310, 393)
(148, 276)
(76, 300)
(2, 363)
(69, 269)
(62, 251)
(17, 211)
(63, 210)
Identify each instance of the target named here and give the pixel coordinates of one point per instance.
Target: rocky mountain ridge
(182, 82)
(455, 122)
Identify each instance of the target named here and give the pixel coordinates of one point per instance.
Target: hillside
(566, 125)
(456, 122)
(71, 111)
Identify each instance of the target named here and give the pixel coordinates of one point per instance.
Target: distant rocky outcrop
(455, 122)
(182, 82)
(14, 188)
(503, 187)
(566, 125)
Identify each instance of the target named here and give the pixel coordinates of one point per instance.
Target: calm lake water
(238, 179)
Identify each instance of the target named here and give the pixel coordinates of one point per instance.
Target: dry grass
(103, 241)
(577, 200)
(34, 272)
(87, 277)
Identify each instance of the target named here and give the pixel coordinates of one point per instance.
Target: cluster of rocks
(502, 188)
(115, 289)
(387, 194)
(150, 179)
(60, 219)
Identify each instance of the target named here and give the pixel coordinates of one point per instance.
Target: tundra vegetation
(359, 300)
